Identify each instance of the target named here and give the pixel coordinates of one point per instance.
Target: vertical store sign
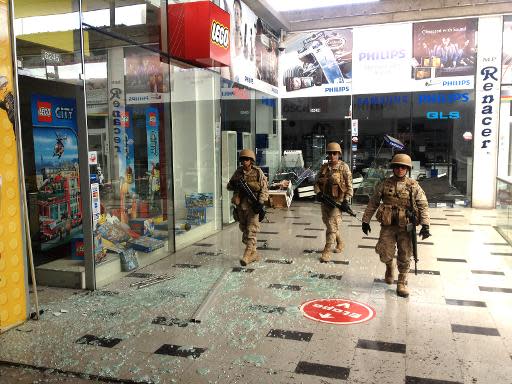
(152, 128)
(117, 111)
(487, 106)
(13, 289)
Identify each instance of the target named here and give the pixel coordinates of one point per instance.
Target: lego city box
(199, 33)
(142, 226)
(77, 247)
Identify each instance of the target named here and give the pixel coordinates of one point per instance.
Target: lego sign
(44, 112)
(220, 35)
(337, 311)
(199, 33)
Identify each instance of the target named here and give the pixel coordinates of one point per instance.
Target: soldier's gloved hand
(344, 206)
(366, 228)
(424, 232)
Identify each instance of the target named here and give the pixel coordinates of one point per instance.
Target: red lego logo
(44, 112)
(152, 119)
(125, 119)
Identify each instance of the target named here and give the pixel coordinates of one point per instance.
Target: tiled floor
(455, 327)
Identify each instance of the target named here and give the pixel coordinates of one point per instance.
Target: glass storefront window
(267, 139)
(196, 154)
(128, 116)
(436, 128)
(312, 122)
(248, 121)
(48, 48)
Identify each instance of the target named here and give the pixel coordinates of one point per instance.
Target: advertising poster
(254, 52)
(382, 59)
(145, 79)
(56, 163)
(317, 64)
(153, 148)
(444, 54)
(152, 128)
(130, 151)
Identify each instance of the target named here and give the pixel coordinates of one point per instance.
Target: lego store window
(48, 49)
(128, 106)
(196, 137)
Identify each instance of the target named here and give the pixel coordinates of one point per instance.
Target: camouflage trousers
(392, 236)
(249, 225)
(332, 220)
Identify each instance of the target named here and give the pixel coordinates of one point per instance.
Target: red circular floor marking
(337, 311)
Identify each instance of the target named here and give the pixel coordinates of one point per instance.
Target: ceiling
(384, 11)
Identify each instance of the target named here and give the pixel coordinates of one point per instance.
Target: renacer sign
(487, 107)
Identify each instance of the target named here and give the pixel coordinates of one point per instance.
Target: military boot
(401, 287)
(389, 277)
(326, 254)
(339, 245)
(255, 255)
(248, 257)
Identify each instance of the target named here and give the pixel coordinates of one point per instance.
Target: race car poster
(56, 162)
(444, 54)
(254, 49)
(317, 64)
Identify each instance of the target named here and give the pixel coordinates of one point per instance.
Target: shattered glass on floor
(139, 329)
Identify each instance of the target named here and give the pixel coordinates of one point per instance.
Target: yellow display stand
(13, 286)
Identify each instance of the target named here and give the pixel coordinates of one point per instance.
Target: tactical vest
(332, 182)
(253, 179)
(393, 210)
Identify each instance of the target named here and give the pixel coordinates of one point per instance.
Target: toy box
(146, 244)
(77, 247)
(142, 226)
(195, 200)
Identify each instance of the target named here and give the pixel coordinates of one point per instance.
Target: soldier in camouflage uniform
(392, 215)
(335, 180)
(244, 211)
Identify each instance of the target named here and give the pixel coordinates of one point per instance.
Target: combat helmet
(333, 147)
(247, 153)
(401, 159)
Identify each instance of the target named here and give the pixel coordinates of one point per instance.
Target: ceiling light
(295, 5)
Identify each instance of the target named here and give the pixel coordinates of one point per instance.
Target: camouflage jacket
(391, 200)
(256, 180)
(335, 181)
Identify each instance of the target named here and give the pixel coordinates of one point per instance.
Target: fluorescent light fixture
(296, 5)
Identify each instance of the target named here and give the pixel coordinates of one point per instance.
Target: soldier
(244, 209)
(392, 215)
(335, 180)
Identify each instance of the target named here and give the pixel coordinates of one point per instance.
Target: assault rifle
(322, 197)
(411, 227)
(257, 207)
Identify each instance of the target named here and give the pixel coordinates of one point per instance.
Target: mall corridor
(249, 328)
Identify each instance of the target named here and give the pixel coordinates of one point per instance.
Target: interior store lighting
(296, 5)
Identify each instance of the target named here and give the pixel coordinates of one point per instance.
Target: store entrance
(309, 124)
